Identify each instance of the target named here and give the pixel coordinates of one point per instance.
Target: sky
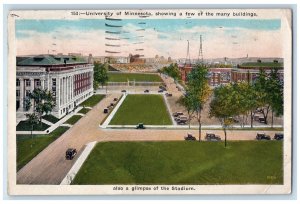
(149, 37)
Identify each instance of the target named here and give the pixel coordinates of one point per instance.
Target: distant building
(69, 78)
(247, 72)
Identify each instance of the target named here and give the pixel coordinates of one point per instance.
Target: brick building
(69, 78)
(244, 72)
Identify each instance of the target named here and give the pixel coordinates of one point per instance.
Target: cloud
(217, 42)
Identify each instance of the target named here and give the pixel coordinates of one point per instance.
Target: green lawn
(51, 118)
(26, 126)
(124, 77)
(93, 100)
(183, 162)
(73, 119)
(84, 110)
(39, 142)
(142, 108)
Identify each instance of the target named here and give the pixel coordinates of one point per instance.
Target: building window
(27, 93)
(38, 82)
(28, 82)
(53, 82)
(54, 89)
(17, 93)
(18, 82)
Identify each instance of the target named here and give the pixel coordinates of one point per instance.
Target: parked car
(105, 110)
(278, 136)
(123, 91)
(262, 136)
(261, 120)
(168, 94)
(181, 120)
(176, 114)
(115, 99)
(190, 137)
(70, 153)
(212, 137)
(160, 90)
(146, 91)
(140, 126)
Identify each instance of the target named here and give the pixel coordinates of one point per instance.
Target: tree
(198, 86)
(33, 120)
(43, 102)
(222, 107)
(172, 70)
(244, 100)
(100, 74)
(262, 95)
(188, 101)
(275, 94)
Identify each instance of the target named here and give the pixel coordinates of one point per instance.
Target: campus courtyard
(149, 156)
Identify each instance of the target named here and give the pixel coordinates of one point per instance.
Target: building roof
(48, 60)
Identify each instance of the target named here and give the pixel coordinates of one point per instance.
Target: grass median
(28, 147)
(142, 108)
(73, 119)
(182, 162)
(93, 100)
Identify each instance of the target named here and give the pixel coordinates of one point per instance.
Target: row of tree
(235, 101)
(172, 70)
(100, 74)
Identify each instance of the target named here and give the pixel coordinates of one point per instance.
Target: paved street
(50, 166)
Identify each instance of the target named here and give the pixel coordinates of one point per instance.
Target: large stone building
(69, 78)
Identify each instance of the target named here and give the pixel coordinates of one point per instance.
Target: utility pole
(200, 54)
(188, 57)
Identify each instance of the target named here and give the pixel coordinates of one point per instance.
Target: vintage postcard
(144, 102)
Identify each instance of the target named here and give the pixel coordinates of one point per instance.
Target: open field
(93, 100)
(124, 77)
(242, 162)
(28, 148)
(142, 108)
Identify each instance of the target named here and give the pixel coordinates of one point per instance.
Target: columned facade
(60, 79)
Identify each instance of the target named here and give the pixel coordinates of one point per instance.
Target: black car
(140, 126)
(262, 136)
(123, 91)
(278, 136)
(190, 137)
(212, 137)
(176, 114)
(105, 110)
(70, 153)
(146, 91)
(115, 99)
(162, 88)
(160, 91)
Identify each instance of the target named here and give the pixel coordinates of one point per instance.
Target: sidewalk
(111, 115)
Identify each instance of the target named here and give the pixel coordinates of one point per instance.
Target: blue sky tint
(165, 37)
(162, 25)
